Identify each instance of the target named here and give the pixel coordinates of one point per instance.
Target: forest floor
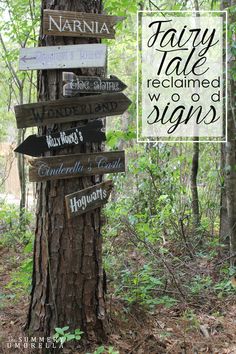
(208, 326)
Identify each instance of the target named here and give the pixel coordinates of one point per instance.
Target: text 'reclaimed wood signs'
(70, 109)
(61, 57)
(90, 84)
(70, 166)
(88, 199)
(35, 145)
(66, 23)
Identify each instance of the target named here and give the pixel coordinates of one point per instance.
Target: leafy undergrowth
(165, 294)
(13, 301)
(207, 325)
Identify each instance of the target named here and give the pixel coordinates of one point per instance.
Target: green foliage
(13, 231)
(150, 201)
(121, 7)
(200, 283)
(103, 350)
(4, 298)
(17, 234)
(225, 286)
(19, 26)
(154, 195)
(21, 279)
(191, 319)
(62, 336)
(166, 301)
(114, 137)
(21, 23)
(140, 284)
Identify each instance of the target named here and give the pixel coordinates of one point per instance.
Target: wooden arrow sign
(77, 165)
(79, 24)
(61, 57)
(36, 145)
(70, 109)
(88, 199)
(90, 84)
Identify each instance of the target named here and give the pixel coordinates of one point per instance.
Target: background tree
(18, 28)
(224, 222)
(231, 143)
(194, 169)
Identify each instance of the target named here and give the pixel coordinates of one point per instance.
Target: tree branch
(9, 65)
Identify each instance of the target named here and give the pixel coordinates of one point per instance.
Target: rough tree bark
(194, 169)
(22, 177)
(194, 189)
(231, 177)
(68, 278)
(21, 171)
(224, 222)
(231, 149)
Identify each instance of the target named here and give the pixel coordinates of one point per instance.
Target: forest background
(169, 231)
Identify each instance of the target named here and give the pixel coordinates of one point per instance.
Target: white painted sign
(69, 56)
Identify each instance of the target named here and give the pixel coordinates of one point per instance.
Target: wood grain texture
(77, 165)
(70, 109)
(88, 199)
(79, 24)
(35, 145)
(90, 84)
(61, 57)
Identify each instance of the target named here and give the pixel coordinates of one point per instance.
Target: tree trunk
(67, 276)
(231, 172)
(194, 170)
(231, 185)
(231, 153)
(22, 177)
(21, 169)
(194, 189)
(224, 222)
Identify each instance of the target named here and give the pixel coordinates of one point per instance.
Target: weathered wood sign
(70, 109)
(88, 199)
(90, 84)
(36, 145)
(77, 165)
(66, 23)
(61, 57)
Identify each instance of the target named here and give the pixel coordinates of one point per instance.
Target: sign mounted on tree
(61, 57)
(35, 145)
(79, 24)
(88, 199)
(77, 165)
(90, 84)
(70, 109)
